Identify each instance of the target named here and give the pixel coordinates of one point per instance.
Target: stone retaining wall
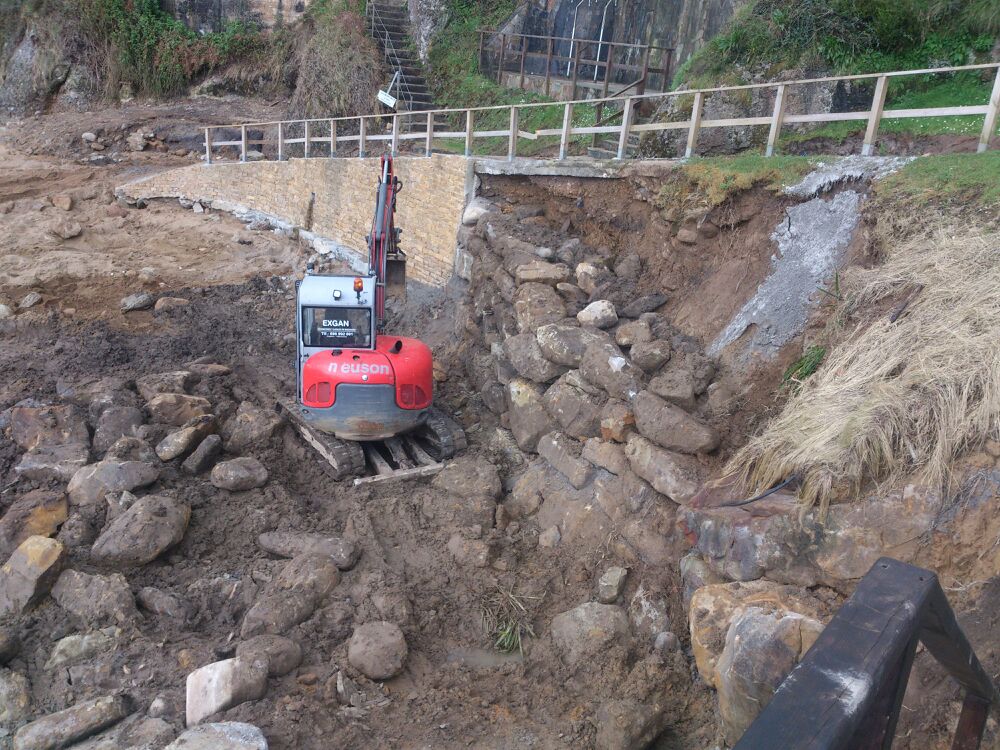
(335, 199)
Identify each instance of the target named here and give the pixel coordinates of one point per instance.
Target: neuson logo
(359, 368)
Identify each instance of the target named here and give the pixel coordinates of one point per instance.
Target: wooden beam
(875, 116)
(626, 128)
(512, 138)
(548, 67)
(361, 137)
(992, 115)
(692, 141)
(333, 137)
(419, 471)
(429, 145)
(776, 118)
(566, 126)
(305, 142)
(468, 132)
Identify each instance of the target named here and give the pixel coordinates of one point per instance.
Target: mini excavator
(364, 396)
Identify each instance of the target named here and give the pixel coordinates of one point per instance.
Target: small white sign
(387, 99)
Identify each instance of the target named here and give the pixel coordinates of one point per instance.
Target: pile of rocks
(101, 461)
(585, 373)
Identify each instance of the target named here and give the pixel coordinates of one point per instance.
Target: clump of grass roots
(506, 619)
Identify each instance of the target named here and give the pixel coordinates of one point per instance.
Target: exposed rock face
(378, 650)
(29, 574)
(589, 630)
(64, 728)
(142, 533)
(224, 684)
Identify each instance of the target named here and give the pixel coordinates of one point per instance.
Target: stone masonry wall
(342, 197)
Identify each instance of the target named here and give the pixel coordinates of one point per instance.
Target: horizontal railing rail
(847, 691)
(332, 136)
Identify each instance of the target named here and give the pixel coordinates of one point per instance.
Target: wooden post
(468, 132)
(627, 115)
(567, 125)
(305, 142)
(503, 48)
(361, 137)
(481, 39)
(598, 116)
(430, 133)
(548, 67)
(992, 113)
(776, 118)
(243, 142)
(281, 141)
(395, 135)
(645, 72)
(333, 137)
(695, 125)
(524, 50)
(512, 138)
(576, 65)
(875, 116)
(208, 145)
(608, 67)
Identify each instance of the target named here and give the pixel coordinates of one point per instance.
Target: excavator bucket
(395, 276)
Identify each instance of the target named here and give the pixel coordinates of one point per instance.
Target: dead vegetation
(896, 398)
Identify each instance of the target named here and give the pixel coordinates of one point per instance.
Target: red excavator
(364, 397)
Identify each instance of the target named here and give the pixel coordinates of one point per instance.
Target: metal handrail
(630, 105)
(389, 50)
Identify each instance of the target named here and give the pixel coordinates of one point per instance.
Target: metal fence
(500, 129)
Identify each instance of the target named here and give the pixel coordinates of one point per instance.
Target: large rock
(526, 357)
(186, 439)
(114, 423)
(57, 462)
(15, 699)
(378, 650)
(176, 408)
(36, 513)
(469, 476)
(633, 332)
(589, 276)
(224, 684)
(277, 613)
(142, 533)
(604, 365)
(563, 454)
(536, 305)
(90, 484)
(78, 647)
(566, 344)
(164, 382)
(29, 574)
(204, 456)
(67, 727)
(599, 314)
(164, 604)
(573, 512)
(343, 552)
(315, 575)
(281, 654)
(542, 272)
(575, 405)
(587, 632)
(249, 427)
(675, 385)
(223, 735)
(673, 474)
(671, 427)
(605, 454)
(761, 648)
(644, 304)
(528, 418)
(239, 474)
(650, 356)
(95, 599)
(617, 421)
(55, 439)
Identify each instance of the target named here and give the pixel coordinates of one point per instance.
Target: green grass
(958, 178)
(718, 177)
(959, 90)
(802, 368)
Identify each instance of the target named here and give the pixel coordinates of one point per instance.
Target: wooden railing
(356, 136)
(847, 691)
(591, 63)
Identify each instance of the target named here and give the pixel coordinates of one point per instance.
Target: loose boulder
(673, 474)
(249, 427)
(152, 525)
(586, 632)
(223, 735)
(526, 357)
(566, 344)
(114, 423)
(599, 314)
(224, 684)
(177, 408)
(378, 650)
(575, 405)
(204, 456)
(95, 599)
(671, 427)
(343, 552)
(36, 513)
(151, 386)
(15, 699)
(281, 654)
(91, 483)
(29, 574)
(528, 418)
(239, 474)
(537, 305)
(67, 727)
(605, 366)
(186, 439)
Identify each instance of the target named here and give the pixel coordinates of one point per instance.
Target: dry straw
(895, 399)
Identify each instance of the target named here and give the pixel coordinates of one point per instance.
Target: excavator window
(337, 327)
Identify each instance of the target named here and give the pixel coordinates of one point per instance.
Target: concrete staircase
(607, 148)
(388, 24)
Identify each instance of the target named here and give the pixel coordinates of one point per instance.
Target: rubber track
(444, 435)
(345, 457)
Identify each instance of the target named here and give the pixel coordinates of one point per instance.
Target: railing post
(243, 142)
(395, 135)
(776, 118)
(875, 116)
(627, 114)
(548, 67)
(608, 68)
(512, 138)
(481, 38)
(695, 125)
(524, 50)
(208, 145)
(992, 113)
(503, 49)
(645, 71)
(333, 137)
(468, 132)
(598, 116)
(567, 125)
(305, 141)
(281, 141)
(430, 133)
(361, 137)
(576, 66)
